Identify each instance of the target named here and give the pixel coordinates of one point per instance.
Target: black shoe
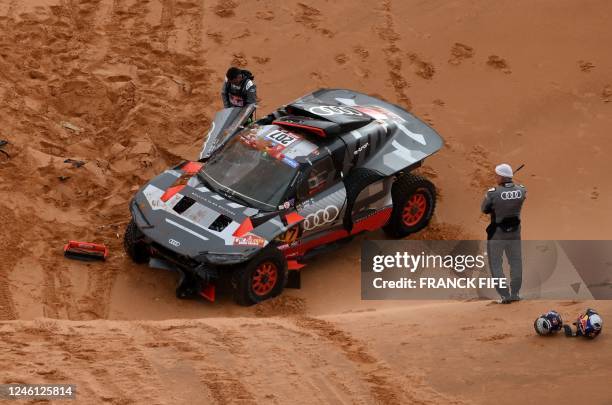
(504, 300)
(514, 298)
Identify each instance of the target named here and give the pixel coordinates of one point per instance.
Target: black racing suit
(504, 204)
(239, 95)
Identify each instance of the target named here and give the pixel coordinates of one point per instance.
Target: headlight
(222, 258)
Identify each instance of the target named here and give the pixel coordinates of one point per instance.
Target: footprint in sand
(311, 17)
(585, 66)
(361, 52)
(265, 15)
(439, 102)
(215, 36)
(594, 194)
(606, 93)
(307, 15)
(262, 60)
(225, 8)
(495, 338)
(481, 176)
(341, 59)
(316, 76)
(460, 52)
(239, 60)
(499, 63)
(425, 70)
(37, 75)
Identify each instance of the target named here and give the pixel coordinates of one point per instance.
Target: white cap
(504, 170)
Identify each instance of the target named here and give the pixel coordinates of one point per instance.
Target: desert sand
(130, 87)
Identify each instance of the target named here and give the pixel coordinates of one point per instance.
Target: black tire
(249, 281)
(355, 182)
(187, 287)
(405, 188)
(133, 244)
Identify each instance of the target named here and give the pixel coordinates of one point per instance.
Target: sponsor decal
(275, 150)
(374, 113)
(511, 195)
(289, 236)
(361, 148)
(582, 322)
(321, 217)
(379, 113)
(236, 101)
(282, 138)
(327, 110)
(287, 204)
(304, 204)
(250, 240)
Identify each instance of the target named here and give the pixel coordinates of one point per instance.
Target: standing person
(504, 204)
(238, 88)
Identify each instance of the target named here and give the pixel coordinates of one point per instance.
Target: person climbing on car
(504, 203)
(239, 89)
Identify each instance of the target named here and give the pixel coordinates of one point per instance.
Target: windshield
(252, 170)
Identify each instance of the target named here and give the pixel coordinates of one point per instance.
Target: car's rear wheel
(133, 244)
(261, 278)
(414, 201)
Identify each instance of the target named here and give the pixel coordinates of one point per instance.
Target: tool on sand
(85, 251)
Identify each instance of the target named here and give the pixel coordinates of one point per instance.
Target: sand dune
(129, 87)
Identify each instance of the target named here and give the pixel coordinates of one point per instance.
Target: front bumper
(158, 238)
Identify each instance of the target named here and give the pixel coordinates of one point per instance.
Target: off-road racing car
(266, 196)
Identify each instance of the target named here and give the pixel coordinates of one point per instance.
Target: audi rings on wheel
(511, 195)
(320, 217)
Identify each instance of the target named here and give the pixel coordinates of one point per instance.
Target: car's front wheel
(414, 200)
(263, 277)
(133, 245)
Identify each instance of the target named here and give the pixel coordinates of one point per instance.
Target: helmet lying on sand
(267, 195)
(548, 323)
(589, 324)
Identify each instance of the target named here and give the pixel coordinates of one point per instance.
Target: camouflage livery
(322, 138)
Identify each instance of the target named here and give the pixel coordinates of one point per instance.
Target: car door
(321, 198)
(227, 122)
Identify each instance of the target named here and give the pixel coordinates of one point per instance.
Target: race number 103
(37, 391)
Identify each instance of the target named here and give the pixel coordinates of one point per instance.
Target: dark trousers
(512, 248)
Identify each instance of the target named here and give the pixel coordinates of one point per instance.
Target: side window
(317, 179)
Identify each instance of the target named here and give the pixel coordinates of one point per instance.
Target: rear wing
(408, 140)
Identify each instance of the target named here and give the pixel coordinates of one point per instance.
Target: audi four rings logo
(321, 217)
(511, 195)
(174, 242)
(333, 110)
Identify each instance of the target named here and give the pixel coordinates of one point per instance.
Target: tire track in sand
(58, 296)
(376, 375)
(386, 32)
(93, 352)
(198, 368)
(386, 387)
(8, 243)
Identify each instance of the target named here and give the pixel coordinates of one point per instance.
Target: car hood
(195, 221)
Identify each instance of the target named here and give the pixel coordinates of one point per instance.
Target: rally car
(265, 196)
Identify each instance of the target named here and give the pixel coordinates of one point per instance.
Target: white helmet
(548, 323)
(542, 326)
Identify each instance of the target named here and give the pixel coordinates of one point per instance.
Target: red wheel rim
(264, 278)
(415, 209)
